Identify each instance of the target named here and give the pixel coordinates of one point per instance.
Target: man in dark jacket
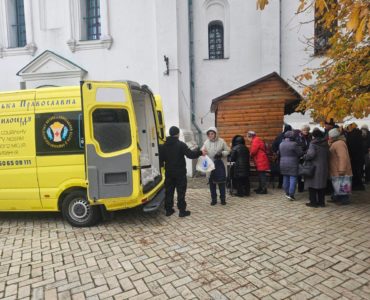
(172, 155)
(366, 147)
(354, 143)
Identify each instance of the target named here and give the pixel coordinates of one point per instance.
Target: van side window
(112, 129)
(160, 120)
(59, 133)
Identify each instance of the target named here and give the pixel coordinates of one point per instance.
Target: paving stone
(261, 247)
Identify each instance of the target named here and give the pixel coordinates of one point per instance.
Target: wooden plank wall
(259, 108)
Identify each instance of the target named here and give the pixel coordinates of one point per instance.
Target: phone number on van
(20, 162)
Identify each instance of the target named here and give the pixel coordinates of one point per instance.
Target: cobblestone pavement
(262, 247)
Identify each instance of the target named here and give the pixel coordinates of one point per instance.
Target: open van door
(160, 117)
(110, 139)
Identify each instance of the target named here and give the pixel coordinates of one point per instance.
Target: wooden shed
(259, 106)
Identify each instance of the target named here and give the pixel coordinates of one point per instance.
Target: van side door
(19, 189)
(110, 140)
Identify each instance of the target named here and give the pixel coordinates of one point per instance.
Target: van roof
(73, 87)
(51, 88)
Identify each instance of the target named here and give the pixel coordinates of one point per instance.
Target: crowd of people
(332, 161)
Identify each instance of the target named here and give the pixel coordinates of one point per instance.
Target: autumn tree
(340, 87)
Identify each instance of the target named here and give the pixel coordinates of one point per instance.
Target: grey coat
(318, 154)
(290, 152)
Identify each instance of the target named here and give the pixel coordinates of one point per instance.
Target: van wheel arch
(64, 194)
(75, 208)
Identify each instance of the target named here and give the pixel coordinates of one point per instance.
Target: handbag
(306, 169)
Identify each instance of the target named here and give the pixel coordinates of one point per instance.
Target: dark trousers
(329, 187)
(179, 183)
(317, 196)
(262, 180)
(367, 173)
(242, 185)
(300, 184)
(281, 179)
(343, 199)
(357, 170)
(221, 187)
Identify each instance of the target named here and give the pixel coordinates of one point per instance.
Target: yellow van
(81, 150)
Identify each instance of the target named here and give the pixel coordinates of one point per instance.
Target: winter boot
(184, 213)
(170, 212)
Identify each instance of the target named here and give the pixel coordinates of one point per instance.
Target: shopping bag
(342, 185)
(307, 169)
(205, 164)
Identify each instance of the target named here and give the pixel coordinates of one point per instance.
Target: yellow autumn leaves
(340, 87)
(355, 13)
(359, 20)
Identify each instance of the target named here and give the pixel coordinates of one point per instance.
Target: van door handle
(141, 167)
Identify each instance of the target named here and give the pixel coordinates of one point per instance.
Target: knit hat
(334, 133)
(174, 131)
(317, 133)
(251, 133)
(365, 127)
(289, 134)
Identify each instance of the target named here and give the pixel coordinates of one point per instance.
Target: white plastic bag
(205, 164)
(342, 185)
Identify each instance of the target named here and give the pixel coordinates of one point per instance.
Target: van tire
(77, 210)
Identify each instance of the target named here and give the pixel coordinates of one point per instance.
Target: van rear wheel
(77, 210)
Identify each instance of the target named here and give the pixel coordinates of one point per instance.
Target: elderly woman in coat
(339, 161)
(216, 148)
(317, 154)
(261, 161)
(240, 157)
(290, 152)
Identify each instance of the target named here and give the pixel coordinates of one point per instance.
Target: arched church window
(216, 40)
(93, 19)
(17, 31)
(323, 33)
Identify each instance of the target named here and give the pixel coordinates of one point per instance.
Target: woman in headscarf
(290, 152)
(317, 154)
(216, 148)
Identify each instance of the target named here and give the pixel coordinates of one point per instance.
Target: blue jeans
(289, 183)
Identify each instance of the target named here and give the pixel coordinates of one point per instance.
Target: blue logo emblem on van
(57, 131)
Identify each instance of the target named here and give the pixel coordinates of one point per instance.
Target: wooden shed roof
(290, 104)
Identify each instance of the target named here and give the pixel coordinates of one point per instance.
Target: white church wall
(297, 32)
(254, 50)
(142, 31)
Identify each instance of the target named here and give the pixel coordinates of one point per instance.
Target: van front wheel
(77, 210)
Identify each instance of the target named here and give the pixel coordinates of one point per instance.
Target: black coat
(355, 149)
(366, 142)
(172, 155)
(318, 155)
(240, 156)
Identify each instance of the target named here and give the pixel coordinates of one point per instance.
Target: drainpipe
(191, 64)
(280, 31)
